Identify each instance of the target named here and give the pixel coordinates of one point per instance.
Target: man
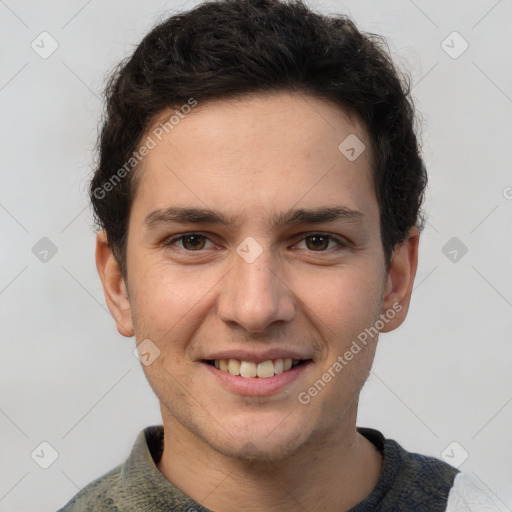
(258, 191)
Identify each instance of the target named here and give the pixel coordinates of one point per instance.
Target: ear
(114, 287)
(400, 280)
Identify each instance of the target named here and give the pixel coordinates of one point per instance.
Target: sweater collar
(145, 487)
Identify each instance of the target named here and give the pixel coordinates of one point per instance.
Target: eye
(196, 242)
(189, 241)
(320, 242)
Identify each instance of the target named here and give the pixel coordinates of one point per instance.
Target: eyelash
(341, 244)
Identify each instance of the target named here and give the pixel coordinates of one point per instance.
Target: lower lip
(256, 386)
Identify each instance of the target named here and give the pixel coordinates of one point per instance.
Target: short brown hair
(226, 48)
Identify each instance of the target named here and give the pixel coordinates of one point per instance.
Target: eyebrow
(289, 218)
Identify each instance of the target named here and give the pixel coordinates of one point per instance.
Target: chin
(260, 451)
(270, 440)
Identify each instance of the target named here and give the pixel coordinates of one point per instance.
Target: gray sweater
(408, 482)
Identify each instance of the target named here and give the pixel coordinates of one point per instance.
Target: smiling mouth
(263, 370)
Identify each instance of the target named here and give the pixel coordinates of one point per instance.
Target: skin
(251, 159)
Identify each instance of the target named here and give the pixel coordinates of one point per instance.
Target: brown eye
(193, 242)
(187, 243)
(317, 242)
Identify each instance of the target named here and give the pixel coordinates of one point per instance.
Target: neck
(330, 472)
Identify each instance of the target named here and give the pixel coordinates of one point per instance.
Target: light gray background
(68, 378)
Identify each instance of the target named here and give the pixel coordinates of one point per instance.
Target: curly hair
(227, 48)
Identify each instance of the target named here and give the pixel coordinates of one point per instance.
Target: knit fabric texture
(408, 482)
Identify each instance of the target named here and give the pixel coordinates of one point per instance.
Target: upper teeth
(263, 370)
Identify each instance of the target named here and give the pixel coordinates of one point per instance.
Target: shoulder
(423, 471)
(98, 495)
(129, 484)
(409, 481)
(422, 480)
(412, 469)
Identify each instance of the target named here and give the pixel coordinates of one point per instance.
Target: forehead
(257, 154)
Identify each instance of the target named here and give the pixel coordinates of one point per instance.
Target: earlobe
(114, 286)
(400, 280)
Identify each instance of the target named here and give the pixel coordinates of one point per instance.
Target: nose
(255, 295)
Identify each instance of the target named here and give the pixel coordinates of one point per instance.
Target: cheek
(345, 301)
(168, 305)
(169, 308)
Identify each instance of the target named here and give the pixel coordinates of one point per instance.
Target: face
(254, 240)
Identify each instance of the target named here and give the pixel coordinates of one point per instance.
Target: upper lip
(258, 356)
